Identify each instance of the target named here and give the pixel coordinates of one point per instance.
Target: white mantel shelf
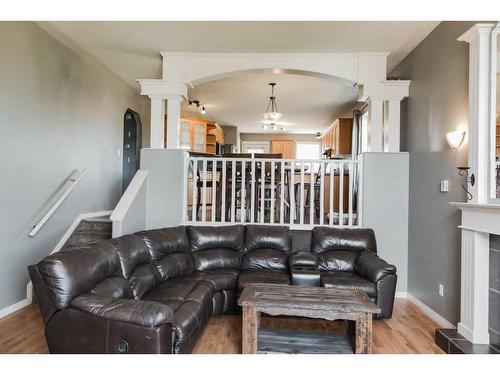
(478, 221)
(479, 217)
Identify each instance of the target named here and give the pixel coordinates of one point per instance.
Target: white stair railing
(299, 193)
(66, 189)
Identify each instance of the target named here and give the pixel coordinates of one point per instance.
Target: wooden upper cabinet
(199, 135)
(338, 138)
(285, 147)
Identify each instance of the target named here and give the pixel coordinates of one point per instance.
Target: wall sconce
(455, 138)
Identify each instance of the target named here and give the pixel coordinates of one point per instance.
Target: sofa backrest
(217, 247)
(170, 249)
(95, 268)
(137, 263)
(267, 247)
(338, 248)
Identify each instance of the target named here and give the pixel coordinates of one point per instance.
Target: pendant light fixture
(272, 113)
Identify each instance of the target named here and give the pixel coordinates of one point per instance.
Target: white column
(480, 124)
(375, 125)
(473, 323)
(173, 121)
(393, 126)
(157, 130)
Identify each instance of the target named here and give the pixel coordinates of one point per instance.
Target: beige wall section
(438, 70)
(58, 112)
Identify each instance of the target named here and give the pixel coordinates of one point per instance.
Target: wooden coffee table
(311, 302)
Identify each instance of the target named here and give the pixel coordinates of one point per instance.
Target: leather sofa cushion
(216, 258)
(166, 241)
(354, 239)
(175, 265)
(113, 287)
(70, 273)
(303, 259)
(143, 278)
(268, 236)
(262, 276)
(348, 280)
(339, 260)
(191, 300)
(133, 252)
(210, 237)
(221, 279)
(265, 259)
(144, 313)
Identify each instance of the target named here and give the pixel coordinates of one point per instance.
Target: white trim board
(13, 308)
(443, 323)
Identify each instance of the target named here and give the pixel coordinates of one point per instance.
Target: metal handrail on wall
(70, 184)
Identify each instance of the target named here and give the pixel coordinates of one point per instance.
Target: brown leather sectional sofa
(154, 291)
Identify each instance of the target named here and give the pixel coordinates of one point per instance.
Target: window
(308, 150)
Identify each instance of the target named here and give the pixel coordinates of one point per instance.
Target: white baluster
(282, 193)
(214, 189)
(252, 197)
(322, 193)
(311, 193)
(332, 185)
(243, 192)
(262, 190)
(350, 193)
(292, 192)
(194, 217)
(302, 203)
(233, 191)
(204, 193)
(341, 194)
(223, 194)
(271, 214)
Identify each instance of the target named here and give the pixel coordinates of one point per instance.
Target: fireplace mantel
(478, 222)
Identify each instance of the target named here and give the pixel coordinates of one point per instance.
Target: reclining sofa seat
(154, 291)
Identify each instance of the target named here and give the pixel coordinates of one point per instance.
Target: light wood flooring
(409, 331)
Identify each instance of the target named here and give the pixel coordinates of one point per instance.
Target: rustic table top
(283, 299)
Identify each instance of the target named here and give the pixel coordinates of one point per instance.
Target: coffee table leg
(250, 329)
(364, 333)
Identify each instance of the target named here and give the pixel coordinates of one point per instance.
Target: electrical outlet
(444, 186)
(441, 290)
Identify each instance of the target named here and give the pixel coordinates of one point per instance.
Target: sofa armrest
(144, 313)
(371, 266)
(302, 259)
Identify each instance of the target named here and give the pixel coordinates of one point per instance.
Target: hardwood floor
(409, 331)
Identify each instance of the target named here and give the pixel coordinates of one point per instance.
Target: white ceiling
(132, 51)
(308, 104)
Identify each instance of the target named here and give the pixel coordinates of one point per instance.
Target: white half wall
(129, 215)
(165, 185)
(385, 187)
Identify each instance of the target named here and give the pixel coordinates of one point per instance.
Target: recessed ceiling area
(308, 104)
(132, 49)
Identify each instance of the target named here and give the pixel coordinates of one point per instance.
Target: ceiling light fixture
(272, 113)
(198, 106)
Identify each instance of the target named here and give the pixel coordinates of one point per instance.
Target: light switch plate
(444, 186)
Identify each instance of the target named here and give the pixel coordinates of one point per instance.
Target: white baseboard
(13, 308)
(443, 323)
(401, 295)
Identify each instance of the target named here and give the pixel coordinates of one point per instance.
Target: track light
(203, 110)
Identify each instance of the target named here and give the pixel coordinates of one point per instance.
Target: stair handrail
(73, 180)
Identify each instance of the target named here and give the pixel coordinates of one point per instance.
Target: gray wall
(438, 69)
(58, 112)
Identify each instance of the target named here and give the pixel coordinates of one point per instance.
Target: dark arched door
(131, 146)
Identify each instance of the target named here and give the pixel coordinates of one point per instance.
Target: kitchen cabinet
(286, 147)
